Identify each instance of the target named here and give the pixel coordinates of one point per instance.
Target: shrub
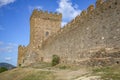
(55, 60)
(2, 69)
(19, 65)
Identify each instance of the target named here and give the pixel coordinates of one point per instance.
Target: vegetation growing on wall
(55, 60)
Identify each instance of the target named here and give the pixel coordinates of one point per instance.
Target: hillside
(62, 73)
(6, 65)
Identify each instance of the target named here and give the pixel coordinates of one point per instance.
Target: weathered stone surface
(89, 39)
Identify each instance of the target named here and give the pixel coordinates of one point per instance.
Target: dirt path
(69, 74)
(81, 74)
(89, 78)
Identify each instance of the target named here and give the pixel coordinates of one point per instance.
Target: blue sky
(14, 21)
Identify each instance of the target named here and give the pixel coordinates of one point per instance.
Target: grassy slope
(27, 74)
(40, 75)
(107, 73)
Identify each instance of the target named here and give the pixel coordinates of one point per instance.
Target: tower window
(47, 33)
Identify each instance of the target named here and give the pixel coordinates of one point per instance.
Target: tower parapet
(43, 24)
(46, 15)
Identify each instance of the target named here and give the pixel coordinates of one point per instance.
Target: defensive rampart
(92, 37)
(93, 29)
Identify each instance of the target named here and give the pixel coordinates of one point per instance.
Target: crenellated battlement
(83, 16)
(95, 28)
(90, 10)
(43, 24)
(99, 2)
(46, 15)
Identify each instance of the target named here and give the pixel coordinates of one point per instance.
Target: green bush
(19, 65)
(2, 69)
(55, 60)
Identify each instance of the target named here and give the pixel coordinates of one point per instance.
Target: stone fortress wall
(42, 25)
(92, 36)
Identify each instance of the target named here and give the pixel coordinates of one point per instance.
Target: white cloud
(7, 47)
(8, 58)
(31, 8)
(5, 2)
(64, 23)
(68, 10)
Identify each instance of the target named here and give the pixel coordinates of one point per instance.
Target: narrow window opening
(47, 33)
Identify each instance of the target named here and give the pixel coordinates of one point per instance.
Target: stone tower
(43, 25)
(92, 38)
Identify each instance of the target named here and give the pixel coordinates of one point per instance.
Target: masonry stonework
(92, 38)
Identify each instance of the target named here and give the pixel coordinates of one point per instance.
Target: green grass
(40, 75)
(68, 67)
(63, 67)
(2, 69)
(108, 73)
(41, 65)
